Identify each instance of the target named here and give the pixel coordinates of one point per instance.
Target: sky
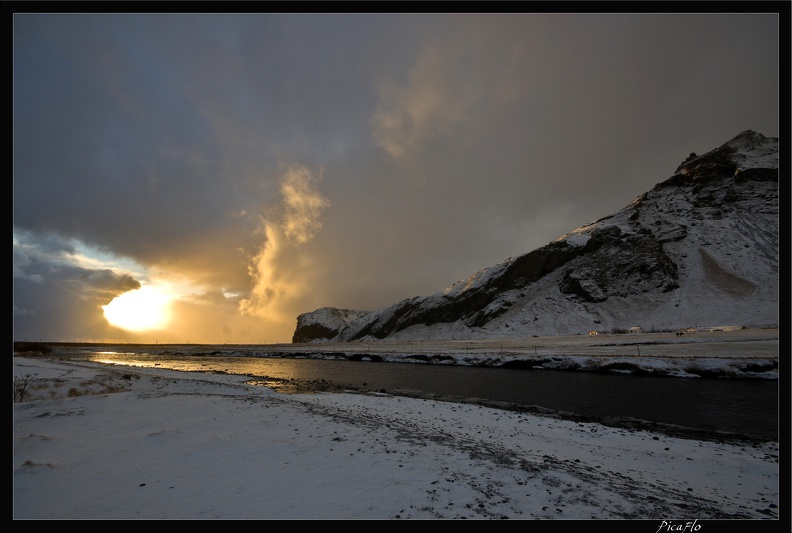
(206, 178)
(102, 442)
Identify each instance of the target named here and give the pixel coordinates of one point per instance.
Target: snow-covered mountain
(699, 249)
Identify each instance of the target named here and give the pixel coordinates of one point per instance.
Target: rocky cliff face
(700, 248)
(324, 323)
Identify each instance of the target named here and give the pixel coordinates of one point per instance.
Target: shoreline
(739, 354)
(97, 441)
(303, 386)
(628, 423)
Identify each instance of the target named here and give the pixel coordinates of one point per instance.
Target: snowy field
(99, 442)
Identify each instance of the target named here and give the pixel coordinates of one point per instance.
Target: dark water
(747, 407)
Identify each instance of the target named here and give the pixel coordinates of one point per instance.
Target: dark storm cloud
(435, 145)
(55, 298)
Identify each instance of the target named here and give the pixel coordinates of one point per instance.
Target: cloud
(467, 64)
(53, 258)
(20, 263)
(22, 310)
(107, 282)
(427, 105)
(303, 205)
(280, 271)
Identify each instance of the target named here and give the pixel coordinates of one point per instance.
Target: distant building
(720, 328)
(636, 329)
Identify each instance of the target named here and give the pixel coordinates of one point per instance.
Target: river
(745, 407)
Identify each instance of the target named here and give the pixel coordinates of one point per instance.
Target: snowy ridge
(700, 248)
(326, 321)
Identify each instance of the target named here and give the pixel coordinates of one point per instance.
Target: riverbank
(99, 442)
(741, 354)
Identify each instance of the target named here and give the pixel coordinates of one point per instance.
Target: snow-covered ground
(742, 353)
(102, 442)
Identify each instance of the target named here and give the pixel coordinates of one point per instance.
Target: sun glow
(139, 310)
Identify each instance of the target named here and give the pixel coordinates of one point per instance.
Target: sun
(139, 310)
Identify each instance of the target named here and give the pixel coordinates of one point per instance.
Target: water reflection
(743, 406)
